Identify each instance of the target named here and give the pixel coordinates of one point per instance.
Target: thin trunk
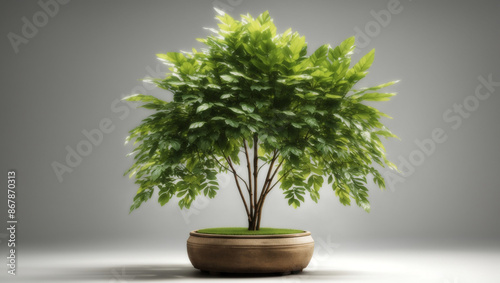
(256, 202)
(250, 224)
(262, 198)
(255, 166)
(265, 187)
(239, 187)
(260, 213)
(249, 169)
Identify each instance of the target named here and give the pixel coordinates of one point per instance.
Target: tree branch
(261, 167)
(265, 187)
(286, 173)
(239, 187)
(250, 191)
(267, 181)
(222, 165)
(255, 165)
(230, 170)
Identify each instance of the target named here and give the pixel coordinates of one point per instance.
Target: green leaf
(175, 145)
(376, 87)
(256, 117)
(232, 123)
(365, 62)
(247, 107)
(196, 125)
(236, 110)
(228, 78)
(259, 64)
(221, 15)
(296, 203)
(295, 151)
(319, 55)
(164, 198)
(173, 57)
(301, 198)
(188, 69)
(145, 99)
(300, 77)
(156, 173)
(203, 107)
(211, 175)
(333, 96)
(272, 140)
(343, 50)
(296, 46)
(212, 192)
(374, 96)
(213, 86)
(311, 121)
(259, 88)
(252, 128)
(238, 74)
(366, 206)
(385, 133)
(264, 17)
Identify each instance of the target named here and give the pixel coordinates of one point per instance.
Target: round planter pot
(286, 253)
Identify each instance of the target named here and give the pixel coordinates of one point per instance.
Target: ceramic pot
(284, 254)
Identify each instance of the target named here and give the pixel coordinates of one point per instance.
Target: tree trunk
(259, 215)
(252, 224)
(254, 206)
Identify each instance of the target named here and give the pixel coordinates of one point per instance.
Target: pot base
(215, 273)
(278, 254)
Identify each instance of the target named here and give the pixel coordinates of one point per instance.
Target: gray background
(66, 78)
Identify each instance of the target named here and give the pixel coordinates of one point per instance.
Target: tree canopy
(258, 92)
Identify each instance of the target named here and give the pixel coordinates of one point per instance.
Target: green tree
(294, 118)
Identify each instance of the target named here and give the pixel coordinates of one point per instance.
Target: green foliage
(245, 231)
(253, 83)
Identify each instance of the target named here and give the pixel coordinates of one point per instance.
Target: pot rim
(195, 233)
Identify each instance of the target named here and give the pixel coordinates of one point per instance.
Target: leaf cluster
(252, 83)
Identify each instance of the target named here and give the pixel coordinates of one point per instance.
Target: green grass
(245, 231)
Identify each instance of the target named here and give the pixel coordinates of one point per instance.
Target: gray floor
(416, 264)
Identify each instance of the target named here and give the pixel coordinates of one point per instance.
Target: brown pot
(287, 253)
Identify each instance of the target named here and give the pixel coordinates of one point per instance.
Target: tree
(254, 98)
